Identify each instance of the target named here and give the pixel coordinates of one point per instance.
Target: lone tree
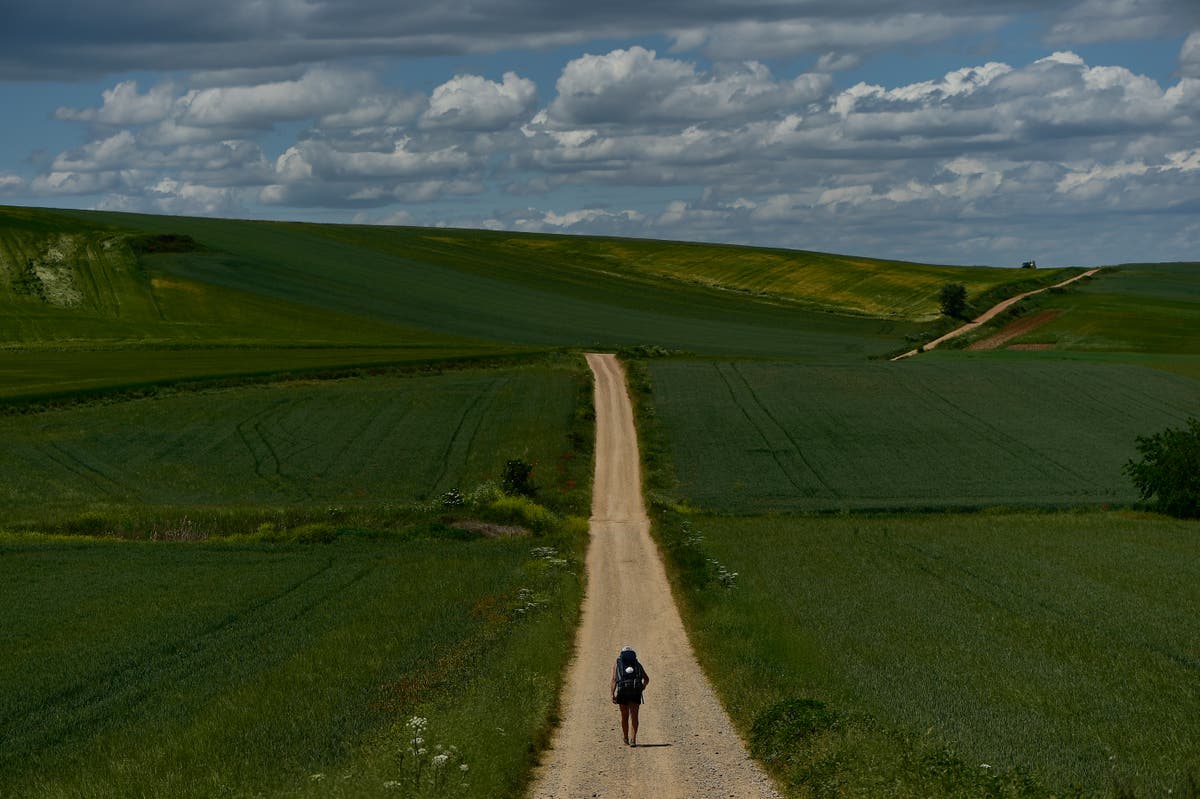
(1170, 469)
(954, 300)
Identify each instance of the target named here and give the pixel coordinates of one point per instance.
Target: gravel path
(687, 747)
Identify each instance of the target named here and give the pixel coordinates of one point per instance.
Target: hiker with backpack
(629, 680)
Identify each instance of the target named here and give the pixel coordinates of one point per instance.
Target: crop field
(1135, 308)
(821, 281)
(247, 669)
(69, 284)
(380, 440)
(955, 655)
(33, 375)
(753, 437)
(532, 290)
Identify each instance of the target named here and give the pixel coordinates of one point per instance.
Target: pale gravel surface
(688, 748)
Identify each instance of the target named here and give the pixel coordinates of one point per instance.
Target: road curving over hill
(992, 313)
(687, 747)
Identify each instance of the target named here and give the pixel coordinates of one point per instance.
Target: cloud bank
(706, 137)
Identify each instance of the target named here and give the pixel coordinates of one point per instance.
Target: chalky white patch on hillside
(57, 272)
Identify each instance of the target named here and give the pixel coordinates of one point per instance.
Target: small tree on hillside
(954, 300)
(1170, 469)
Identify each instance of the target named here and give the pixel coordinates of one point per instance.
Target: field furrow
(933, 434)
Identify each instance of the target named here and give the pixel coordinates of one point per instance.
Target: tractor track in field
(687, 746)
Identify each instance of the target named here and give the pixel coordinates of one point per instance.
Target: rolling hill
(94, 280)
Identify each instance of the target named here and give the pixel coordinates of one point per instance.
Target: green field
(276, 412)
(111, 277)
(375, 440)
(1135, 308)
(754, 437)
(304, 590)
(1058, 649)
(227, 669)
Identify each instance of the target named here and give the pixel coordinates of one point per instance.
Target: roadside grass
(952, 655)
(243, 668)
(933, 433)
(381, 444)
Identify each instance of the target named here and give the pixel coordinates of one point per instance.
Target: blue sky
(956, 132)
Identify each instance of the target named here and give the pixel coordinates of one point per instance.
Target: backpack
(629, 684)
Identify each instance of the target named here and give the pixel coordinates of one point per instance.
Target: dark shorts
(628, 699)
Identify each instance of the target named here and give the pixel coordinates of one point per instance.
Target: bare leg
(625, 721)
(633, 711)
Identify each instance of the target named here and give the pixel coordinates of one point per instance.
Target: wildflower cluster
(725, 577)
(687, 550)
(424, 770)
(550, 555)
(528, 601)
(453, 499)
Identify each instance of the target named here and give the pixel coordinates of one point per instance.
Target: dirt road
(687, 747)
(991, 313)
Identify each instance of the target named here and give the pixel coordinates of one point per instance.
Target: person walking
(629, 681)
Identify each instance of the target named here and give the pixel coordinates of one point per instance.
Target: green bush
(518, 478)
(1170, 469)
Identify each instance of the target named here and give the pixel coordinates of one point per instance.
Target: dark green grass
(33, 376)
(1060, 650)
(752, 437)
(139, 669)
(82, 285)
(375, 440)
(472, 284)
(1137, 308)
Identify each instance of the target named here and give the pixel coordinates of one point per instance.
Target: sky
(946, 131)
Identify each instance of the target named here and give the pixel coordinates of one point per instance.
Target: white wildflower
(440, 760)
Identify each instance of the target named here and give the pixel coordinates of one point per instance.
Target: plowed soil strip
(687, 747)
(1018, 328)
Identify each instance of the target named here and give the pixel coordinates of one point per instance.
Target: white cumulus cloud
(473, 103)
(635, 85)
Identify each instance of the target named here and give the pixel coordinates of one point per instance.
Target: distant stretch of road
(991, 313)
(687, 747)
